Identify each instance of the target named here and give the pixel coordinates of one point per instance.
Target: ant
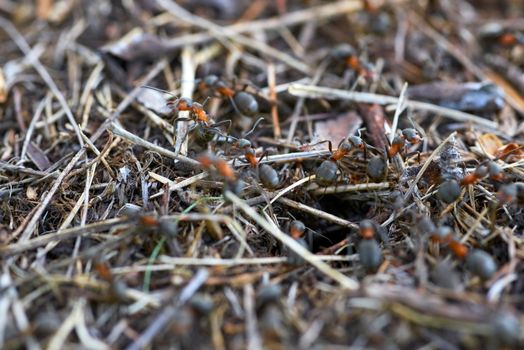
(477, 261)
(351, 60)
(410, 135)
(368, 248)
(326, 173)
(244, 103)
(197, 112)
(243, 143)
(266, 174)
(450, 189)
(211, 162)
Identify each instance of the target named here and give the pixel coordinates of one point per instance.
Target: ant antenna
(259, 120)
(158, 89)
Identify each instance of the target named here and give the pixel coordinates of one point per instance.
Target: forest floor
(220, 174)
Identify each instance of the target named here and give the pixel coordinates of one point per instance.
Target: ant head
(398, 141)
(210, 80)
(507, 193)
(411, 135)
(494, 170)
(366, 224)
(356, 141)
(342, 51)
(367, 229)
(443, 232)
(244, 143)
(296, 228)
(344, 147)
(481, 171)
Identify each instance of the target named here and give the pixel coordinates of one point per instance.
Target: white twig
(364, 97)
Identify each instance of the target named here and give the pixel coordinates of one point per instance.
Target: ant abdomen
(246, 103)
(377, 168)
(369, 254)
(481, 264)
(326, 173)
(268, 176)
(449, 191)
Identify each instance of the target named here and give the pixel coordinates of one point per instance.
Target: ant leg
(265, 154)
(182, 119)
(235, 107)
(222, 122)
(259, 120)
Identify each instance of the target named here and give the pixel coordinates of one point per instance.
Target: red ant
(352, 61)
(491, 169)
(449, 190)
(244, 103)
(477, 261)
(326, 173)
(197, 112)
(410, 135)
(266, 174)
(368, 248)
(210, 162)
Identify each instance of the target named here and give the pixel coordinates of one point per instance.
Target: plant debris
(261, 174)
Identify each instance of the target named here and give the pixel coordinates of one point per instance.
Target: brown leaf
(490, 143)
(336, 129)
(38, 157)
(375, 121)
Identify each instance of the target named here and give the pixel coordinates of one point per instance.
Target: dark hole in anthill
(330, 233)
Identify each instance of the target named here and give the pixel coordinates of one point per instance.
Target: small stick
(319, 213)
(121, 132)
(22, 44)
(290, 188)
(188, 85)
(173, 186)
(350, 188)
(169, 263)
(103, 128)
(271, 82)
